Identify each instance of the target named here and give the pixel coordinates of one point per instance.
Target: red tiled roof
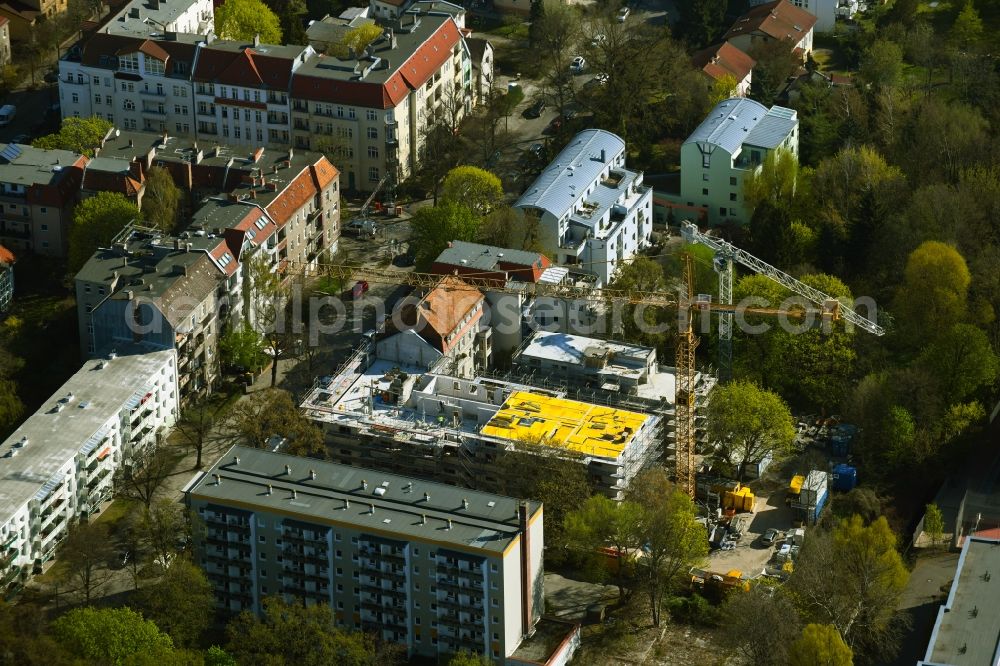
(779, 19)
(444, 307)
(102, 45)
(411, 74)
(719, 60)
(292, 198)
(4, 21)
(245, 67)
(323, 173)
(6, 256)
(218, 252)
(147, 47)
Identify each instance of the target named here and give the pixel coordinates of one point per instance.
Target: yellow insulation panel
(592, 430)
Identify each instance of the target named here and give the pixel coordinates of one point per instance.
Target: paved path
(921, 599)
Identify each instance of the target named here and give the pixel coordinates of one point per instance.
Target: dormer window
(129, 63)
(153, 66)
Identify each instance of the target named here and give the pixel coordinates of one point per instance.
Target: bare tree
(195, 425)
(140, 480)
(161, 529)
(85, 554)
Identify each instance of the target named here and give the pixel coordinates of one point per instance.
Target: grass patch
(513, 30)
(119, 508)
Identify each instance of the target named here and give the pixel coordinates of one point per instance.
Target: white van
(7, 113)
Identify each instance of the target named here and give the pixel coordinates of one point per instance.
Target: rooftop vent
(288, 470)
(380, 491)
(294, 494)
(21, 443)
(449, 523)
(465, 503)
(270, 489)
(427, 497)
(312, 475)
(364, 484)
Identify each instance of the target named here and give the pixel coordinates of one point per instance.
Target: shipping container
(815, 485)
(815, 512)
(845, 477)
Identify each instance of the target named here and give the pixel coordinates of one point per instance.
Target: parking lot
(750, 555)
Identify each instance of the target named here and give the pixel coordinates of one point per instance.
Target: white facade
(590, 207)
(60, 463)
(154, 17)
(825, 11)
(731, 142)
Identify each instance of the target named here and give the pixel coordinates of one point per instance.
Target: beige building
(38, 190)
(4, 41)
(24, 15)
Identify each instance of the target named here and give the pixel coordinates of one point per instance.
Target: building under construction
(382, 416)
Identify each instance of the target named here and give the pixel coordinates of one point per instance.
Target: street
(35, 116)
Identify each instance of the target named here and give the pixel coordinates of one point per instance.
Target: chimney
(177, 244)
(270, 489)
(522, 515)
(293, 493)
(291, 154)
(347, 503)
(236, 460)
(131, 143)
(603, 155)
(288, 470)
(371, 510)
(364, 484)
(312, 474)
(465, 503)
(256, 40)
(163, 139)
(427, 497)
(187, 248)
(423, 519)
(218, 479)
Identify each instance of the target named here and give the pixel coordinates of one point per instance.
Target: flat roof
(26, 165)
(150, 19)
(568, 348)
(86, 402)
(592, 430)
(404, 507)
(967, 630)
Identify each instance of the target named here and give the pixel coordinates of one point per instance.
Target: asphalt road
(35, 116)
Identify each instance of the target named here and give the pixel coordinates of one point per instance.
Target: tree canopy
(161, 199)
(750, 423)
(97, 220)
(244, 19)
(269, 412)
(181, 603)
(475, 188)
(820, 645)
(436, 226)
(79, 135)
(110, 635)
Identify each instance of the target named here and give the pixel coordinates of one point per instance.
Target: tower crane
(686, 302)
(725, 255)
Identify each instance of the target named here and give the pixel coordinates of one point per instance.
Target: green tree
(722, 89)
(110, 635)
(243, 19)
(672, 539)
(852, 579)
(253, 421)
(934, 293)
(602, 523)
(148, 471)
(160, 528)
(966, 32)
(882, 64)
(161, 200)
(96, 220)
(820, 645)
(79, 135)
(25, 639)
(518, 230)
(357, 39)
(933, 523)
(466, 658)
(644, 324)
(941, 139)
(435, 227)
(296, 634)
(243, 347)
(181, 603)
(85, 555)
(962, 361)
(774, 236)
(701, 21)
(750, 423)
(475, 188)
(774, 182)
(216, 656)
(290, 15)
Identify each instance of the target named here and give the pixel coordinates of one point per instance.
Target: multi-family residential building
(481, 52)
(825, 11)
(513, 310)
(731, 142)
(724, 61)
(135, 82)
(7, 261)
(59, 465)
(4, 41)
(154, 18)
(779, 20)
(591, 210)
(38, 191)
(25, 15)
(385, 415)
(441, 329)
(372, 110)
(431, 567)
(165, 293)
(113, 174)
(241, 92)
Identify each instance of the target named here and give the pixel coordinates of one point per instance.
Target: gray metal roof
(489, 523)
(729, 124)
(34, 166)
(109, 164)
(147, 19)
(773, 128)
(485, 257)
(565, 180)
(54, 437)
(967, 630)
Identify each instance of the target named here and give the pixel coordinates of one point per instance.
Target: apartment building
(779, 20)
(593, 210)
(724, 61)
(372, 109)
(162, 292)
(112, 174)
(514, 311)
(7, 261)
(154, 18)
(825, 11)
(431, 567)
(384, 415)
(4, 41)
(733, 140)
(38, 191)
(439, 329)
(135, 82)
(25, 15)
(59, 465)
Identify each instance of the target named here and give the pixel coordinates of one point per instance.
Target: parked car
(535, 110)
(623, 14)
(359, 289)
(21, 139)
(770, 537)
(554, 125)
(578, 65)
(536, 150)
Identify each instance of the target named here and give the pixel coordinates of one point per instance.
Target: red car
(359, 289)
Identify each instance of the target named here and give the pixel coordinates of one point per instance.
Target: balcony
(146, 111)
(153, 93)
(277, 118)
(302, 125)
(207, 111)
(276, 98)
(7, 231)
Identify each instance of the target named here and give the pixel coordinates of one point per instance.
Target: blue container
(845, 477)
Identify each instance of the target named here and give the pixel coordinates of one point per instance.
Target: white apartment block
(154, 18)
(591, 209)
(59, 465)
(733, 141)
(434, 568)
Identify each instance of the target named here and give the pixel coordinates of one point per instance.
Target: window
(263, 555)
(340, 571)
(351, 114)
(372, 133)
(246, 115)
(153, 66)
(97, 99)
(371, 114)
(262, 538)
(373, 174)
(732, 196)
(236, 131)
(257, 116)
(263, 573)
(373, 152)
(97, 80)
(340, 112)
(706, 160)
(76, 98)
(704, 177)
(722, 211)
(704, 191)
(129, 63)
(732, 181)
(222, 91)
(107, 100)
